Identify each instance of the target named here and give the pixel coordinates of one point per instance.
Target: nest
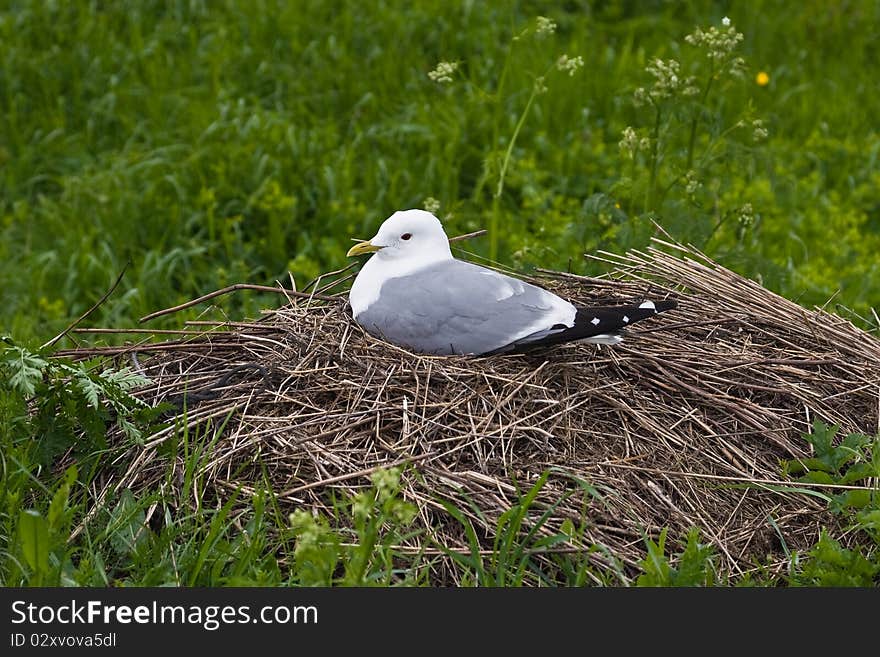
(683, 424)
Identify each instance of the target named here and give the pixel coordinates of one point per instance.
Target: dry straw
(684, 424)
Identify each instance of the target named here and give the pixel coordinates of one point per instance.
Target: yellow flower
(762, 79)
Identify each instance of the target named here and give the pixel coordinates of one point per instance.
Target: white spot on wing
(595, 321)
(648, 304)
(625, 319)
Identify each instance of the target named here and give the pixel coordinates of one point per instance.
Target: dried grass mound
(683, 424)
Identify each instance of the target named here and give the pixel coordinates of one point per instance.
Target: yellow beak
(362, 248)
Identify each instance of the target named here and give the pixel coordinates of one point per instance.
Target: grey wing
(455, 307)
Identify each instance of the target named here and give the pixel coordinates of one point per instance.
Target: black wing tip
(665, 304)
(593, 321)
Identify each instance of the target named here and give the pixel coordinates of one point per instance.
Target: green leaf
(870, 521)
(58, 506)
(793, 468)
(855, 441)
(809, 465)
(26, 370)
(126, 526)
(125, 378)
(851, 499)
(474, 560)
(830, 564)
(858, 472)
(90, 390)
(657, 571)
(550, 541)
(822, 439)
(798, 489)
(694, 566)
(129, 429)
(33, 535)
(819, 477)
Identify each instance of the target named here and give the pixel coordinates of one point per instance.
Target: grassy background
(222, 142)
(210, 143)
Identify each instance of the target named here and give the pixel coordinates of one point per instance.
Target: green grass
(214, 143)
(230, 141)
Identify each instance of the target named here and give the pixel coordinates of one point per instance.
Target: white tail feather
(604, 338)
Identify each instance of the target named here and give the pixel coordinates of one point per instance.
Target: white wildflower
(362, 506)
(718, 43)
(629, 142)
(691, 183)
(690, 86)
(443, 72)
(386, 482)
(569, 65)
(725, 21)
(759, 132)
(738, 67)
(431, 204)
(640, 97)
(666, 78)
(308, 532)
(545, 26)
(746, 215)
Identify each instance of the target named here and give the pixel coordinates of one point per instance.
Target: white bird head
(407, 234)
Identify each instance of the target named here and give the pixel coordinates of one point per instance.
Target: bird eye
(406, 236)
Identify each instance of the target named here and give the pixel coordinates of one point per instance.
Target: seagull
(413, 293)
